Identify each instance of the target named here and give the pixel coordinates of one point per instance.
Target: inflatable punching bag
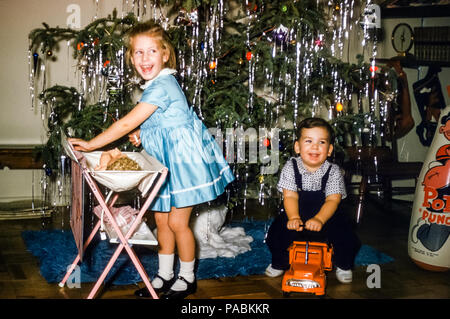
(428, 242)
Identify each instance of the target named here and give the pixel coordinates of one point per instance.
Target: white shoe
(272, 272)
(344, 276)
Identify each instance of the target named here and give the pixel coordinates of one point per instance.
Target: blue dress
(176, 137)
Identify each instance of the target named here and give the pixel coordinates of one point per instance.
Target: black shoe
(172, 294)
(144, 293)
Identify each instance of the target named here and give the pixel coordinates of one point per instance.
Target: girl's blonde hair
(151, 29)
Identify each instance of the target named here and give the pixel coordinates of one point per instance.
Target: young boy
(312, 191)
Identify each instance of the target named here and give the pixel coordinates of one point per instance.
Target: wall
(409, 147)
(20, 125)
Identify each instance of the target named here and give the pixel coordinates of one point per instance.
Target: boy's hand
(313, 224)
(295, 224)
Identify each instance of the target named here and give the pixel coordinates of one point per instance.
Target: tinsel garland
(265, 62)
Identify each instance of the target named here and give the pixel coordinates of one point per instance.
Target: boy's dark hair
(312, 122)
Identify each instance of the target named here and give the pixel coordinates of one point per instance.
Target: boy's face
(314, 147)
(147, 56)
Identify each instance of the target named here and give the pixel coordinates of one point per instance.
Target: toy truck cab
(308, 263)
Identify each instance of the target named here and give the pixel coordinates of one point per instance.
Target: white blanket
(214, 240)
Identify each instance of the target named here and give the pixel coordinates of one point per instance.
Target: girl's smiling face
(314, 147)
(148, 57)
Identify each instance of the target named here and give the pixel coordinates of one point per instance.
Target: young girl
(312, 191)
(171, 132)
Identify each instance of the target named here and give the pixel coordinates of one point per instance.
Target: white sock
(187, 272)
(165, 269)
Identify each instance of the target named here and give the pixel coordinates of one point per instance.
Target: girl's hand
(135, 137)
(295, 224)
(314, 224)
(80, 145)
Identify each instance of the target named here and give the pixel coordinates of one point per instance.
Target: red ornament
(106, 63)
(249, 55)
(266, 142)
(252, 7)
(373, 69)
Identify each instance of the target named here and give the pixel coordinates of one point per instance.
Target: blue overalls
(337, 231)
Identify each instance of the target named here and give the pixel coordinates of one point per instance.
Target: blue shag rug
(56, 250)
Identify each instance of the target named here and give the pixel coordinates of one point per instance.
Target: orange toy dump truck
(309, 261)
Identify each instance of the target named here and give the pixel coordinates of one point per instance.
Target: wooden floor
(383, 229)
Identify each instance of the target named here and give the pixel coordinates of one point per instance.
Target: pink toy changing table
(148, 180)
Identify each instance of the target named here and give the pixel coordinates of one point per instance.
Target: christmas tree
(250, 69)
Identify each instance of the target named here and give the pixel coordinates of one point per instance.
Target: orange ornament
(80, 46)
(266, 142)
(339, 107)
(249, 55)
(212, 65)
